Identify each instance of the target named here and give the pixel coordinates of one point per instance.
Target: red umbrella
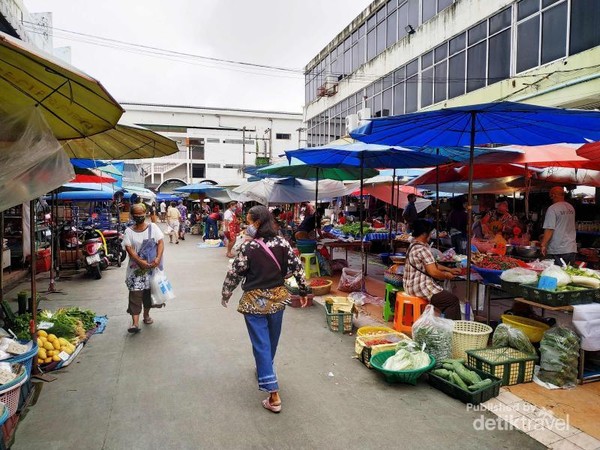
(590, 151)
(453, 173)
(81, 178)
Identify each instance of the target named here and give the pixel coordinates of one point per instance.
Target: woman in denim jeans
(263, 263)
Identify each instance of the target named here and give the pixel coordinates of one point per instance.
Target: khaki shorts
(137, 299)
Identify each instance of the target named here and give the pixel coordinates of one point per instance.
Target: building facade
(402, 56)
(214, 143)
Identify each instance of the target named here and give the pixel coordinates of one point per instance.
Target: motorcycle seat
(110, 233)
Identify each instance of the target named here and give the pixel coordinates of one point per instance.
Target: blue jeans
(211, 229)
(264, 331)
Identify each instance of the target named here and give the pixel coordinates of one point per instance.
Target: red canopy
(453, 173)
(79, 178)
(590, 151)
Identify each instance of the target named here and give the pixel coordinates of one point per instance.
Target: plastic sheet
(32, 161)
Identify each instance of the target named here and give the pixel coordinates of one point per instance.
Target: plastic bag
(559, 360)
(519, 275)
(351, 280)
(337, 265)
(160, 288)
(360, 298)
(324, 266)
(435, 332)
(507, 336)
(562, 277)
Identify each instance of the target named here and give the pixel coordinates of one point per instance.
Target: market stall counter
(332, 244)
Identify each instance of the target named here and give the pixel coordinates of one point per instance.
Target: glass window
(398, 99)
(476, 59)
(548, 2)
(499, 59)
(500, 21)
(380, 15)
(362, 30)
(527, 8)
(413, 13)
(554, 33)
(585, 29)
(386, 103)
(429, 9)
(392, 29)
(347, 43)
(377, 86)
(427, 87)
(426, 60)
(355, 37)
(371, 45)
(370, 91)
(458, 43)
(443, 4)
(477, 33)
(348, 62)
(441, 52)
(388, 80)
(411, 94)
(362, 54)
(399, 75)
(371, 22)
(402, 20)
(456, 75)
(355, 63)
(391, 6)
(528, 37)
(440, 81)
(412, 68)
(380, 37)
(344, 104)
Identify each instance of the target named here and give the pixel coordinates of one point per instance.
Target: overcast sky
(283, 33)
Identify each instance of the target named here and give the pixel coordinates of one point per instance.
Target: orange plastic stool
(408, 310)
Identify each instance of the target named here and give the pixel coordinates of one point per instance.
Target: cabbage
(405, 360)
(419, 360)
(562, 277)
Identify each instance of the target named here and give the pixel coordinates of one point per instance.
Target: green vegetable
(21, 326)
(482, 384)
(63, 326)
(85, 316)
(559, 357)
(450, 361)
(442, 373)
(507, 336)
(465, 374)
(448, 366)
(354, 229)
(457, 380)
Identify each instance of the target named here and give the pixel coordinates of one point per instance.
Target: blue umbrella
(489, 123)
(199, 188)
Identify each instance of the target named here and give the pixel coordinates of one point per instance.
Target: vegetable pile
(507, 336)
(374, 342)
(319, 282)
(456, 373)
(407, 357)
(50, 346)
(435, 333)
(559, 357)
(353, 229)
(496, 262)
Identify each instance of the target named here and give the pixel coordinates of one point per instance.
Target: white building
(401, 56)
(214, 143)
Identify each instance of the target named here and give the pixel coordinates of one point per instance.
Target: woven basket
(392, 278)
(322, 290)
(469, 336)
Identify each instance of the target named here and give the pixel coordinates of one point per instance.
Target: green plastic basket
(510, 365)
(401, 376)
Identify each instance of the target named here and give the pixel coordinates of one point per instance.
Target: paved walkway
(187, 381)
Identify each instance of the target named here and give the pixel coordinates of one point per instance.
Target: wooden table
(354, 245)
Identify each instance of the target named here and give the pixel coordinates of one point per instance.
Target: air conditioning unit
(364, 115)
(351, 123)
(329, 88)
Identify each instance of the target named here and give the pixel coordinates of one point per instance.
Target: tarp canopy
(383, 192)
(298, 169)
(32, 162)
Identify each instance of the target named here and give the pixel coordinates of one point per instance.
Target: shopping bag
(169, 230)
(161, 290)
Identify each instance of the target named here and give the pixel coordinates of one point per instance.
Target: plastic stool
(311, 264)
(390, 301)
(408, 310)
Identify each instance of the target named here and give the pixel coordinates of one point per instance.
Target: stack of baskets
(10, 392)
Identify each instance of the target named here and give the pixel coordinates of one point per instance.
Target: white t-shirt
(135, 239)
(560, 217)
(163, 207)
(228, 216)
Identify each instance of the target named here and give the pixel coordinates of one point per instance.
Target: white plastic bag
(360, 298)
(436, 333)
(519, 275)
(562, 277)
(350, 281)
(160, 288)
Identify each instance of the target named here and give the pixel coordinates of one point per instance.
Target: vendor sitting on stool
(421, 273)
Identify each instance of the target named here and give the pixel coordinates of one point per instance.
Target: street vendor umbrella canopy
(121, 142)
(299, 169)
(590, 151)
(73, 104)
(89, 178)
(199, 188)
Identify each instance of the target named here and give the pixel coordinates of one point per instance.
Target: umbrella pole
(317, 217)
(1, 256)
(390, 214)
(360, 212)
(437, 204)
(53, 228)
(32, 325)
(470, 207)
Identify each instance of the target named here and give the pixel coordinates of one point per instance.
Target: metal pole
(52, 285)
(317, 216)
(244, 152)
(360, 212)
(1, 256)
(390, 209)
(437, 204)
(33, 266)
(470, 205)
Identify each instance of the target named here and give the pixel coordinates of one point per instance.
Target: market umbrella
(121, 142)
(483, 124)
(457, 172)
(88, 178)
(590, 151)
(199, 188)
(73, 104)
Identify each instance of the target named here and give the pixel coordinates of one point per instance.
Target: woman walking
(173, 219)
(144, 244)
(263, 262)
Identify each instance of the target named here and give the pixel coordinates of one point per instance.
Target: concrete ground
(187, 381)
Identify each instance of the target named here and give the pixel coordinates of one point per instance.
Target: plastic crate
(338, 321)
(474, 398)
(399, 376)
(365, 352)
(512, 288)
(560, 298)
(508, 364)
(490, 276)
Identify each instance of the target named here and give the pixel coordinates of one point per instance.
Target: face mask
(139, 219)
(251, 231)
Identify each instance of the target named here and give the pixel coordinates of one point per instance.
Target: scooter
(94, 252)
(116, 254)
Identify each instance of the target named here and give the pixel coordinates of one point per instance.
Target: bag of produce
(351, 280)
(559, 357)
(562, 277)
(507, 336)
(519, 275)
(435, 332)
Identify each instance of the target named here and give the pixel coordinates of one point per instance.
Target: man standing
(230, 227)
(558, 241)
(173, 219)
(182, 220)
(163, 211)
(410, 212)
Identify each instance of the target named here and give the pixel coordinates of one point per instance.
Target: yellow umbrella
(73, 104)
(121, 142)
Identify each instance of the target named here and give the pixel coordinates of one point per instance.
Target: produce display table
(354, 245)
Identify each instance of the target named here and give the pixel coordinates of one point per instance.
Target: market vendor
(558, 241)
(410, 213)
(309, 228)
(499, 220)
(421, 272)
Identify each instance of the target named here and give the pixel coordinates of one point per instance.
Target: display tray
(474, 398)
(558, 298)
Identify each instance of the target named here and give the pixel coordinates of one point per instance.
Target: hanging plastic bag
(350, 281)
(507, 336)
(160, 288)
(559, 360)
(436, 333)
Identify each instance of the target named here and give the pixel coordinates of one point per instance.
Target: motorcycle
(116, 254)
(94, 252)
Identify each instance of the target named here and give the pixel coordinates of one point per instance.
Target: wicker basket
(365, 350)
(510, 365)
(469, 335)
(322, 290)
(10, 393)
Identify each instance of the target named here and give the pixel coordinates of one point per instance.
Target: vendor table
(354, 245)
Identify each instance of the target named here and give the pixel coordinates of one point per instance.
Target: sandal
(133, 330)
(270, 406)
(148, 320)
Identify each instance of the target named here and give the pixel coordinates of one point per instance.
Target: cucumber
(482, 384)
(458, 381)
(442, 373)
